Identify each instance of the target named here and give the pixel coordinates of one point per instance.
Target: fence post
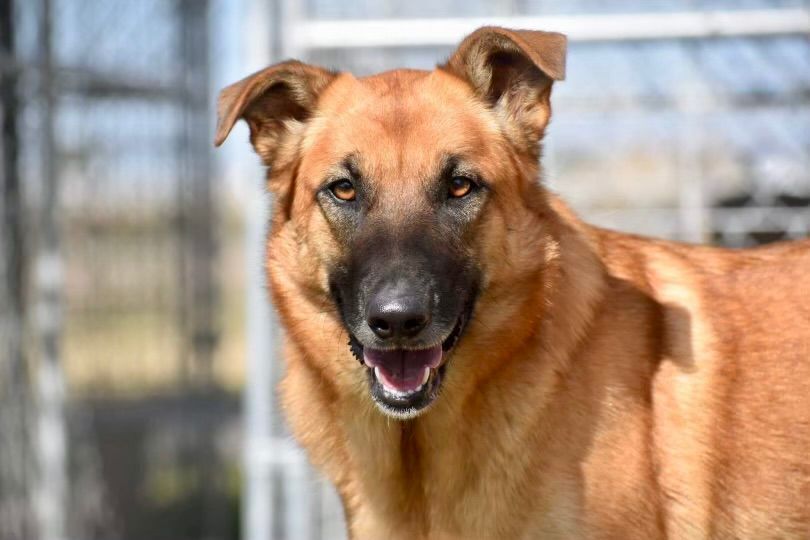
(258, 511)
(51, 480)
(198, 233)
(16, 516)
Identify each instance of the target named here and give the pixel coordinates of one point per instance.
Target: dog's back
(723, 413)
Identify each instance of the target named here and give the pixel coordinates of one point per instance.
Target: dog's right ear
(273, 102)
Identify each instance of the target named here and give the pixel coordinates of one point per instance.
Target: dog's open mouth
(405, 382)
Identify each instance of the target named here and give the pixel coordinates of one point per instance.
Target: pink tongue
(403, 370)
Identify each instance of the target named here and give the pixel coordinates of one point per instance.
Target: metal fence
(688, 120)
(115, 416)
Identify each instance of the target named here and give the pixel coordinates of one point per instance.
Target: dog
(466, 359)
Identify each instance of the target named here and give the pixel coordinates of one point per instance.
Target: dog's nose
(397, 316)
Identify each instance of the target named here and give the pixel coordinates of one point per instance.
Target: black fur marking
(357, 349)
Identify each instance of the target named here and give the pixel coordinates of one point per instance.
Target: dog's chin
(404, 383)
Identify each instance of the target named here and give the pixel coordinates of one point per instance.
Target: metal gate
(690, 122)
(109, 287)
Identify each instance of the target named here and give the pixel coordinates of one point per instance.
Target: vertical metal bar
(51, 433)
(258, 514)
(15, 502)
(693, 99)
(298, 512)
(196, 248)
(692, 210)
(291, 14)
(258, 519)
(199, 251)
(12, 200)
(182, 307)
(200, 221)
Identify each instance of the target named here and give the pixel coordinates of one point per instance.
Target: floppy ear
(273, 102)
(512, 72)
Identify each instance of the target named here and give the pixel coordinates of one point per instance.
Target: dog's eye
(343, 190)
(459, 187)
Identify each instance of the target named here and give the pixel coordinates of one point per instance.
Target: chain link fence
(118, 400)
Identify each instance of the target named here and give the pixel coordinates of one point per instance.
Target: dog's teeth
(425, 377)
(378, 374)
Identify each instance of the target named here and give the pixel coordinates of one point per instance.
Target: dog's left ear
(512, 72)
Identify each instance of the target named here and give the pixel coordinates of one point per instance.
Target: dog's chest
(449, 489)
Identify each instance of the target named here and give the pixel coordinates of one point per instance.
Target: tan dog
(466, 359)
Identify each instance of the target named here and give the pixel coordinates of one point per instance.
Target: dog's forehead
(386, 97)
(401, 118)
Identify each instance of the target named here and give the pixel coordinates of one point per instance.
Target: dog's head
(407, 201)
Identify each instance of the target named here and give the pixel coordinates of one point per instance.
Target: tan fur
(608, 386)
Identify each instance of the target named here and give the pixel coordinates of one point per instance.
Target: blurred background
(137, 348)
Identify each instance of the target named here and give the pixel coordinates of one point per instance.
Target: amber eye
(343, 190)
(460, 186)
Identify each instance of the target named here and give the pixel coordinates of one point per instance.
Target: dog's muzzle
(405, 382)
